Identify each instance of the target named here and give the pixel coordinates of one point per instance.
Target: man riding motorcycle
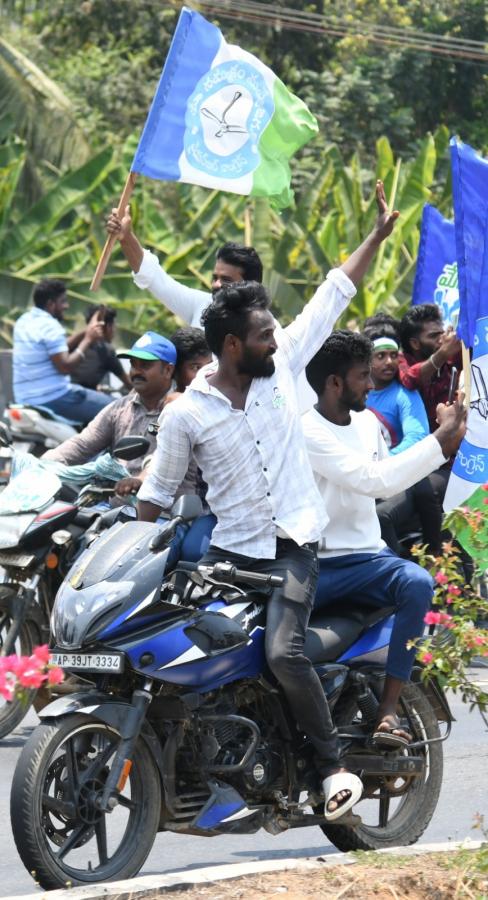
(352, 466)
(240, 420)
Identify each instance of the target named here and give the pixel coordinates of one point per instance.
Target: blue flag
(221, 118)
(470, 195)
(436, 276)
(470, 200)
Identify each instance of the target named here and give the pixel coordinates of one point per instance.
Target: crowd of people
(309, 445)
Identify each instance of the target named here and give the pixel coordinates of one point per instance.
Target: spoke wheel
(13, 711)
(61, 833)
(395, 810)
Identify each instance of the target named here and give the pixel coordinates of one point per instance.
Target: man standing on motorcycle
(352, 467)
(240, 419)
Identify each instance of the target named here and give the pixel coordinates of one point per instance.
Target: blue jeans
(381, 579)
(79, 404)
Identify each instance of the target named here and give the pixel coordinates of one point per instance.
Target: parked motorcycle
(186, 729)
(35, 429)
(44, 525)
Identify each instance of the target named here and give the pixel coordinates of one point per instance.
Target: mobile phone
(453, 384)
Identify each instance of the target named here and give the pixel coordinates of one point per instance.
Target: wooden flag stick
(467, 374)
(109, 243)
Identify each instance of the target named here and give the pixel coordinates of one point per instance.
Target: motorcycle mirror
(187, 507)
(6, 439)
(131, 447)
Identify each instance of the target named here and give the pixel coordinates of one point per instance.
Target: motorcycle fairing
(376, 638)
(225, 653)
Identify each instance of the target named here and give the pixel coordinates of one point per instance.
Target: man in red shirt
(429, 354)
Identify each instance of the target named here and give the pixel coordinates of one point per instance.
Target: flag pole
(109, 243)
(467, 374)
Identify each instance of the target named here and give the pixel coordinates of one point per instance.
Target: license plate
(88, 662)
(19, 560)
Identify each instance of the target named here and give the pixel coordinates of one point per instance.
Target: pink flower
(432, 618)
(40, 655)
(55, 675)
(453, 589)
(485, 501)
(426, 658)
(484, 487)
(441, 578)
(479, 639)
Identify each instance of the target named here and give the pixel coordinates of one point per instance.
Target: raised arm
(356, 266)
(67, 361)
(185, 302)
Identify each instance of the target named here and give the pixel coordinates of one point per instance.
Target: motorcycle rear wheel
(61, 835)
(399, 810)
(13, 711)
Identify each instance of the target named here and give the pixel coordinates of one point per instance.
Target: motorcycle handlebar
(224, 571)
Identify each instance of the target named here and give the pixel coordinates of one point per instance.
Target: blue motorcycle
(186, 730)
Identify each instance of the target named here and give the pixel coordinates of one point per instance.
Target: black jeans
(288, 613)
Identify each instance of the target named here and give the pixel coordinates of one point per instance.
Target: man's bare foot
(342, 790)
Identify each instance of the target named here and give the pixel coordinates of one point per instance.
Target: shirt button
(265, 469)
(273, 518)
(257, 402)
(268, 494)
(258, 442)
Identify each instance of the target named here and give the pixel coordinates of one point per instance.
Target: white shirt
(352, 467)
(254, 460)
(188, 304)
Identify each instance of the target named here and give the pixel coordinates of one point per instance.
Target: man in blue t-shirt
(43, 357)
(401, 412)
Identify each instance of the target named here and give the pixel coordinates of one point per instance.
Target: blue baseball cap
(151, 346)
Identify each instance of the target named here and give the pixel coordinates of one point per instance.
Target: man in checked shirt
(240, 419)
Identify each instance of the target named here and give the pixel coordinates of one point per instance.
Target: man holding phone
(44, 357)
(430, 364)
(100, 357)
(429, 354)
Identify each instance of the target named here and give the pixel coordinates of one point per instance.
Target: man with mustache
(239, 418)
(152, 362)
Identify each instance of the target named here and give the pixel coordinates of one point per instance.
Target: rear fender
(103, 708)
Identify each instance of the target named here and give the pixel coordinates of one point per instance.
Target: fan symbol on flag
(481, 404)
(225, 127)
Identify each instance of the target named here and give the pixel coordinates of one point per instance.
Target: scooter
(185, 728)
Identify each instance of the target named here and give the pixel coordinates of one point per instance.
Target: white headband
(384, 343)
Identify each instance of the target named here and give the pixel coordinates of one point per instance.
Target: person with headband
(401, 412)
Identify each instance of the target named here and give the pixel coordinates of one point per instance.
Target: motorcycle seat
(46, 413)
(332, 630)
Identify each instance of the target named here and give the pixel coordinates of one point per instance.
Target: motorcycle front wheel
(13, 711)
(395, 810)
(62, 836)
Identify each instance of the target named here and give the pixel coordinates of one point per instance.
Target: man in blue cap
(152, 363)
